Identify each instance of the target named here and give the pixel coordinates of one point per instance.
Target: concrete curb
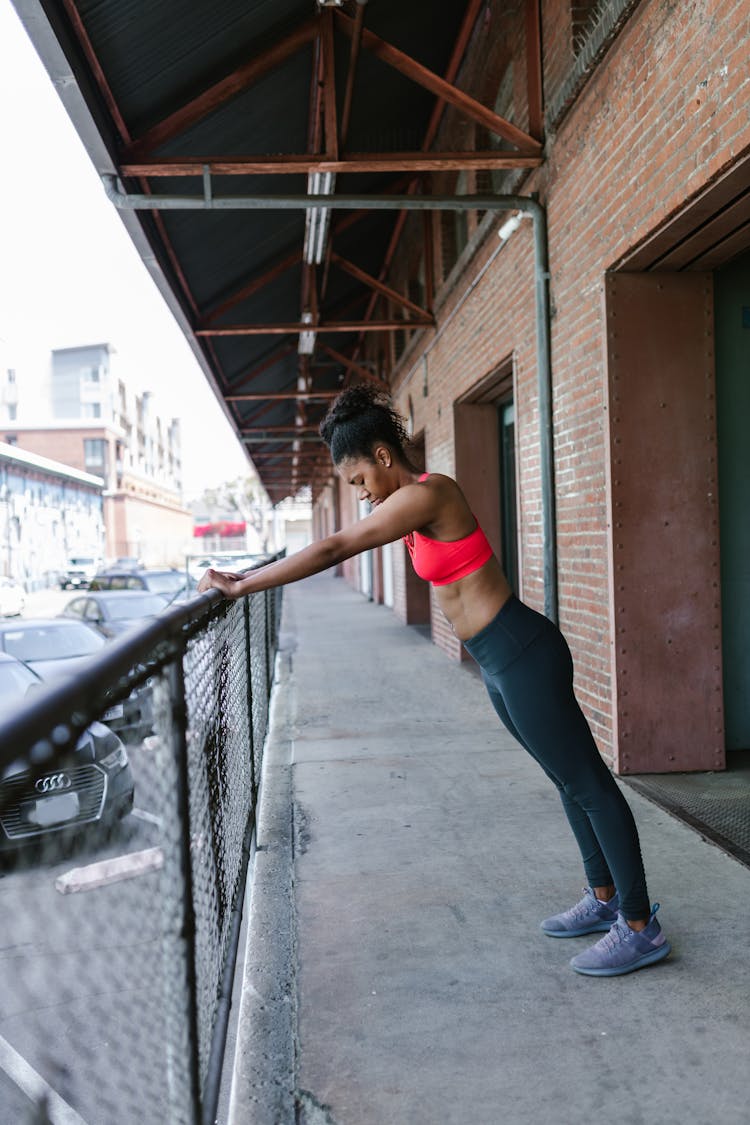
(263, 1077)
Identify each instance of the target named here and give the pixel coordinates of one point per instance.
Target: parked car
(57, 646)
(112, 612)
(127, 562)
(12, 598)
(169, 584)
(79, 571)
(94, 784)
(235, 562)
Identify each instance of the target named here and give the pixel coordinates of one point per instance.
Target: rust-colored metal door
(665, 585)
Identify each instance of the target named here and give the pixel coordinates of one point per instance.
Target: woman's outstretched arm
(410, 507)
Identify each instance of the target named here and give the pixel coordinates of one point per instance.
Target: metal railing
(124, 868)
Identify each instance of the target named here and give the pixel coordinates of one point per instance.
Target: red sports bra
(441, 562)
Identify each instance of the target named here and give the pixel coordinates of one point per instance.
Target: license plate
(54, 810)
(115, 712)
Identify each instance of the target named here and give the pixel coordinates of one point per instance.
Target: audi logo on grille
(53, 783)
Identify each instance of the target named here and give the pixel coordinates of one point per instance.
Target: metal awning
(299, 98)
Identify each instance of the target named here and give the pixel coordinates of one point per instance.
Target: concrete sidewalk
(408, 848)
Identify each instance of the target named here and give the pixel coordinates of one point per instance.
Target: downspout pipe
(125, 201)
(544, 392)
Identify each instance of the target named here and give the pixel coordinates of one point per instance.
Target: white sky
(70, 275)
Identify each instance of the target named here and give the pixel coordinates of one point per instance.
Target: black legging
(527, 667)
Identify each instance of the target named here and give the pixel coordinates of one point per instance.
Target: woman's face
(373, 477)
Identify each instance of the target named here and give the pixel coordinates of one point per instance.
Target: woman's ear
(383, 456)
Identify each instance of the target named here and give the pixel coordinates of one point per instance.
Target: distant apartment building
(99, 426)
(49, 512)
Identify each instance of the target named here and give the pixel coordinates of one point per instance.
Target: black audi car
(93, 785)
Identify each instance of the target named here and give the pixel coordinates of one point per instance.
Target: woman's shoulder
(450, 500)
(444, 486)
(439, 479)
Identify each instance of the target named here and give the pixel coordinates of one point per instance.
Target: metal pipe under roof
(523, 203)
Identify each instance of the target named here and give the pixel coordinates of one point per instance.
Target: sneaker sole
(595, 928)
(620, 970)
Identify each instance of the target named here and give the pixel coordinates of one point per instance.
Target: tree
(244, 496)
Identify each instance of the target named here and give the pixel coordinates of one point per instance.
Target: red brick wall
(664, 112)
(644, 135)
(65, 446)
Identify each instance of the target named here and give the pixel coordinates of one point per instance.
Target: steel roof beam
(280, 266)
(277, 353)
(380, 287)
(224, 90)
(282, 456)
(261, 396)
(473, 8)
(299, 326)
(265, 437)
(356, 43)
(329, 85)
(296, 164)
(447, 92)
(352, 365)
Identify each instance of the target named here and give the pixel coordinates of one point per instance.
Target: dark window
(94, 452)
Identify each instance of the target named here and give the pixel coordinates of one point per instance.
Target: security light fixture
(510, 225)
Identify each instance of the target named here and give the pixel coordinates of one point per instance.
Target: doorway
(485, 428)
(732, 339)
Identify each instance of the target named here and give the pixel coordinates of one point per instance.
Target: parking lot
(80, 969)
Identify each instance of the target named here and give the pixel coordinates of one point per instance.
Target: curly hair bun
(353, 402)
(360, 417)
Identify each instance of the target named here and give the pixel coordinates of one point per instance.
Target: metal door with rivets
(663, 523)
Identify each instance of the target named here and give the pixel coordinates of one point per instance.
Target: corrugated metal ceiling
(138, 62)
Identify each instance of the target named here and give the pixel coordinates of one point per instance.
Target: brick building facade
(647, 168)
(142, 516)
(99, 425)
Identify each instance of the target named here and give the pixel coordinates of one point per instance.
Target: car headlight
(117, 760)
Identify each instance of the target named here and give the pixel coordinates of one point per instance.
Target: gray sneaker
(623, 950)
(589, 916)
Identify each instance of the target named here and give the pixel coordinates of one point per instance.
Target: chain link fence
(124, 850)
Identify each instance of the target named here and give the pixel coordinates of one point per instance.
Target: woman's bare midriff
(472, 602)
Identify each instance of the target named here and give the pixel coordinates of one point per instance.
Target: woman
(525, 662)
